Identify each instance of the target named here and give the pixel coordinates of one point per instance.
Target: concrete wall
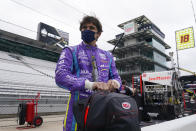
(182, 124)
(42, 108)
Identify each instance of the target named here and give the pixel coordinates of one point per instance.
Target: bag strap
(110, 63)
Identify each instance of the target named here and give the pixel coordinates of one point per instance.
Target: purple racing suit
(74, 67)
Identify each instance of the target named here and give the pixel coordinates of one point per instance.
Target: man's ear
(98, 35)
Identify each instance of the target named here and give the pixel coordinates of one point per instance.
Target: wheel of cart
(37, 121)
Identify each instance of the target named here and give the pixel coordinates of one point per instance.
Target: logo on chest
(82, 55)
(84, 72)
(104, 66)
(102, 56)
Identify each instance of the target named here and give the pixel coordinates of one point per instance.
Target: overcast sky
(168, 15)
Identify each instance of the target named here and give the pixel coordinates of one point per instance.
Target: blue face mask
(88, 36)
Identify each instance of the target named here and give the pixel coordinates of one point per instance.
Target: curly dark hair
(91, 19)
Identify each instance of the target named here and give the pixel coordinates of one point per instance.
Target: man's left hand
(112, 85)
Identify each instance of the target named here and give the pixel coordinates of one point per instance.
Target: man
(84, 68)
(127, 90)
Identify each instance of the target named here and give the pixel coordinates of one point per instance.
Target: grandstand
(25, 72)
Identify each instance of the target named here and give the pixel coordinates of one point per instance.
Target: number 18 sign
(185, 38)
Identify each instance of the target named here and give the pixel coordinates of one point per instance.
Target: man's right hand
(100, 86)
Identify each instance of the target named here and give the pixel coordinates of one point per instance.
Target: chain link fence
(9, 106)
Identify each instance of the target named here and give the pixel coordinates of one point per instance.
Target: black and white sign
(52, 36)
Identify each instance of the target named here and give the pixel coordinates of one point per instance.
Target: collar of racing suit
(86, 46)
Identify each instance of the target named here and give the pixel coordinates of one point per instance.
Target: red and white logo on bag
(126, 105)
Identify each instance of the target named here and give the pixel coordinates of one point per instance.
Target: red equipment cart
(27, 112)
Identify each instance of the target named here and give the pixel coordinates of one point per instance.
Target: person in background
(84, 68)
(127, 90)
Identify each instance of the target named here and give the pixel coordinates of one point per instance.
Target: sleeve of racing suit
(113, 74)
(64, 76)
